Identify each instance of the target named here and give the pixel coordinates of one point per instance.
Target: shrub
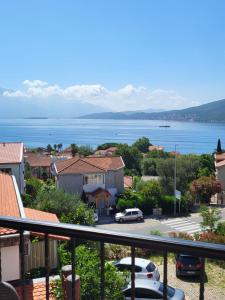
(220, 228)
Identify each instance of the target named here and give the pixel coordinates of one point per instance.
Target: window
(143, 293)
(150, 267)
(93, 179)
(128, 213)
(135, 213)
(6, 170)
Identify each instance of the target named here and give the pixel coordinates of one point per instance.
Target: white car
(151, 290)
(144, 269)
(130, 214)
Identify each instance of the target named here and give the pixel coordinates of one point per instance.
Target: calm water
(189, 137)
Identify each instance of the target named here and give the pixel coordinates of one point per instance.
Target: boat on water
(166, 126)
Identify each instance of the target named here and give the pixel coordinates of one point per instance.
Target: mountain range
(210, 112)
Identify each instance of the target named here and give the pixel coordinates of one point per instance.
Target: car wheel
(139, 219)
(121, 220)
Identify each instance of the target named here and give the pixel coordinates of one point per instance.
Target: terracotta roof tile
(38, 160)
(11, 153)
(39, 215)
(90, 164)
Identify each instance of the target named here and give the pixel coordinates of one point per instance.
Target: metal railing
(162, 244)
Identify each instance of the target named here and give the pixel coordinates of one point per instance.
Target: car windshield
(170, 290)
(189, 260)
(150, 267)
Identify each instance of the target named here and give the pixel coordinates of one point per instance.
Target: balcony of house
(71, 284)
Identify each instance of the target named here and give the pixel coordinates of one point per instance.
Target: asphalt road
(190, 224)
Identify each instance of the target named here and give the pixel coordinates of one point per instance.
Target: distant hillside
(210, 112)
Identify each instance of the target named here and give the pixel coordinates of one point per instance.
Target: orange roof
(219, 156)
(39, 215)
(38, 160)
(8, 201)
(90, 164)
(220, 164)
(11, 153)
(128, 181)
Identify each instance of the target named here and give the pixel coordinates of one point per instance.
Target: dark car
(188, 265)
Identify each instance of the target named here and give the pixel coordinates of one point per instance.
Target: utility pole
(175, 179)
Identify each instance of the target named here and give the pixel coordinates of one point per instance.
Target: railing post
(0, 264)
(22, 268)
(47, 265)
(73, 263)
(165, 260)
(132, 273)
(102, 256)
(202, 279)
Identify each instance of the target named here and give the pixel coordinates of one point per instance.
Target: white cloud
(129, 97)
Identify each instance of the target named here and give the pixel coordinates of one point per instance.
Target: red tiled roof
(99, 191)
(90, 164)
(219, 156)
(39, 215)
(128, 181)
(8, 201)
(220, 164)
(11, 153)
(38, 160)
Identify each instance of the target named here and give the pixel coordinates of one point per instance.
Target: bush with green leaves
(88, 267)
(210, 217)
(68, 207)
(220, 229)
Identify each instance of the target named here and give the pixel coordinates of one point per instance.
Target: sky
(115, 54)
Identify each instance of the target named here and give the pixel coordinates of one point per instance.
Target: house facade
(91, 175)
(12, 162)
(220, 175)
(11, 206)
(39, 164)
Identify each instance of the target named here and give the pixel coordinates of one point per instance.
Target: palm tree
(55, 146)
(60, 147)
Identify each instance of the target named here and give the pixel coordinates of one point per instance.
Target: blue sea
(189, 137)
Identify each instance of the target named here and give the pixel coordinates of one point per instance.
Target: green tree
(66, 206)
(74, 149)
(49, 148)
(204, 187)
(210, 217)
(85, 150)
(219, 148)
(88, 267)
(148, 166)
(131, 157)
(207, 166)
(59, 147)
(152, 192)
(55, 147)
(142, 144)
(158, 154)
(33, 186)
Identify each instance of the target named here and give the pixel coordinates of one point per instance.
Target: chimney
(67, 283)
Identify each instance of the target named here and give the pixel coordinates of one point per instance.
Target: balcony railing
(162, 244)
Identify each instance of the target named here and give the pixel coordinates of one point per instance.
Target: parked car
(130, 214)
(150, 289)
(187, 265)
(144, 269)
